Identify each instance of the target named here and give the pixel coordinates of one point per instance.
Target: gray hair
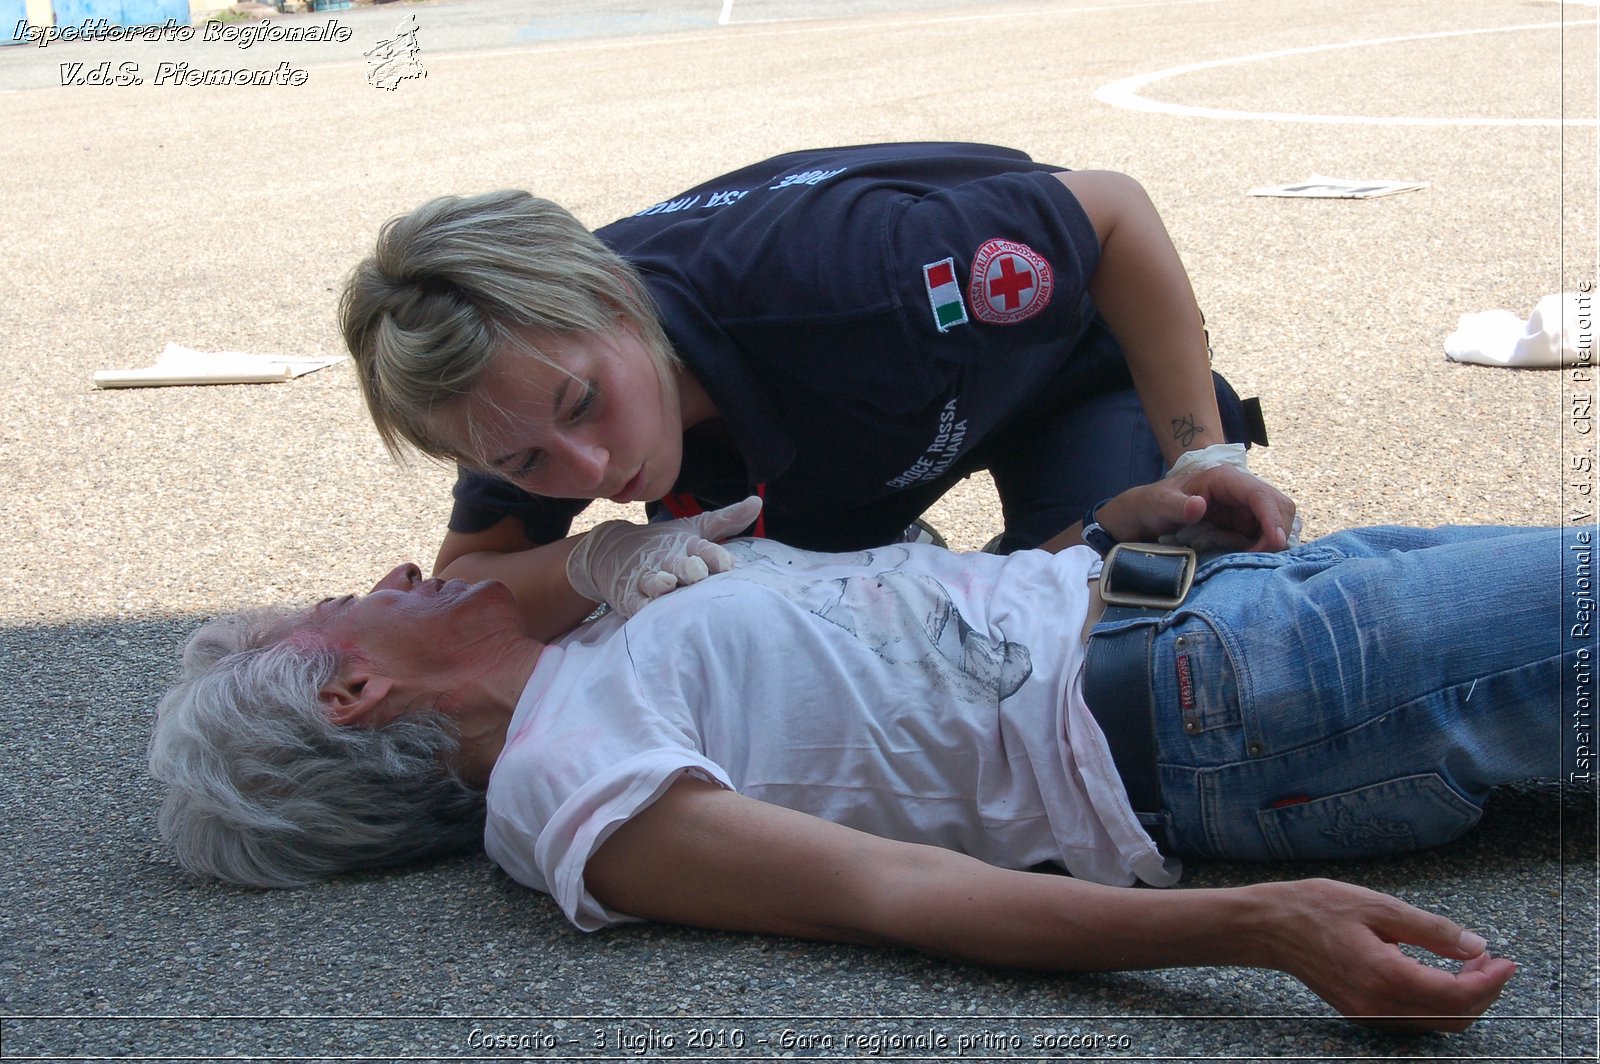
(450, 283)
(265, 790)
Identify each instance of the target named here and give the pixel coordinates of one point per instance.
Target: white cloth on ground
(1560, 332)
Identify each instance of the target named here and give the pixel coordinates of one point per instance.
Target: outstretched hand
(629, 565)
(1342, 941)
(1245, 511)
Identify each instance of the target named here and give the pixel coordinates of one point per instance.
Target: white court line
(1125, 93)
(727, 13)
(782, 27)
(988, 16)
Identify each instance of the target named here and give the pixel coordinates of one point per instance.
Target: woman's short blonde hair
(451, 283)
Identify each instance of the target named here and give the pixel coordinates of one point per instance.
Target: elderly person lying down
(873, 747)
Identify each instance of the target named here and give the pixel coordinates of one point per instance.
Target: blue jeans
(1360, 694)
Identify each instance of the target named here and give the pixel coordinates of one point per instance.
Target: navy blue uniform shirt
(869, 322)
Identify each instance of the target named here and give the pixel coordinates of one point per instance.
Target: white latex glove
(1206, 457)
(628, 565)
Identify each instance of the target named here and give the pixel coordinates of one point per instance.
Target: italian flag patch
(944, 295)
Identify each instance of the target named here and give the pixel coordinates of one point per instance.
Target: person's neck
(486, 702)
(694, 402)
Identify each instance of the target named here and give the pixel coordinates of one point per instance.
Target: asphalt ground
(226, 218)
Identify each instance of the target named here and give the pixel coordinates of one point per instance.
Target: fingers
(1433, 932)
(1481, 978)
(1399, 991)
(628, 565)
(656, 583)
(1207, 538)
(1344, 942)
(1191, 508)
(1149, 511)
(700, 558)
(690, 569)
(1239, 501)
(1274, 513)
(1419, 997)
(713, 556)
(728, 521)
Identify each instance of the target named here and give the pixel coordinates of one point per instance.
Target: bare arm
(536, 574)
(1142, 290)
(710, 858)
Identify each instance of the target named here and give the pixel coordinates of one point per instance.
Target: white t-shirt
(906, 691)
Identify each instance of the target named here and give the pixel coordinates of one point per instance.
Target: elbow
(1107, 197)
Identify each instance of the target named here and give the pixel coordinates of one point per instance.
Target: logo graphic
(1010, 282)
(944, 295)
(393, 61)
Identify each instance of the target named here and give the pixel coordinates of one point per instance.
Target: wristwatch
(1094, 534)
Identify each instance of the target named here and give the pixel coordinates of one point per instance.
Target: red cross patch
(1010, 282)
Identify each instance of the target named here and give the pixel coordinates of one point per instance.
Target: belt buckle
(1115, 597)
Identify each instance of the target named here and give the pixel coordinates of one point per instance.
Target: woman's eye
(531, 461)
(585, 403)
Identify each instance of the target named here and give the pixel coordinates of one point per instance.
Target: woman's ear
(359, 696)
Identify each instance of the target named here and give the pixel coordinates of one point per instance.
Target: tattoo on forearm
(1184, 430)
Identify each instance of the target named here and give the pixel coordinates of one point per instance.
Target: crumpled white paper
(1551, 336)
(183, 365)
(1318, 186)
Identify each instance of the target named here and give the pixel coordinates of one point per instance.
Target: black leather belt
(1138, 580)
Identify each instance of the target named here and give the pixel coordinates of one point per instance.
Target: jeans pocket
(1204, 686)
(1409, 813)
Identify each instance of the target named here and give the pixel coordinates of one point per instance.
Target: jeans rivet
(1191, 726)
(1254, 748)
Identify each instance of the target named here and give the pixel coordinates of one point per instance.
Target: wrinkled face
(601, 422)
(428, 630)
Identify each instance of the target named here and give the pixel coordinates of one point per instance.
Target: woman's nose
(585, 465)
(401, 578)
